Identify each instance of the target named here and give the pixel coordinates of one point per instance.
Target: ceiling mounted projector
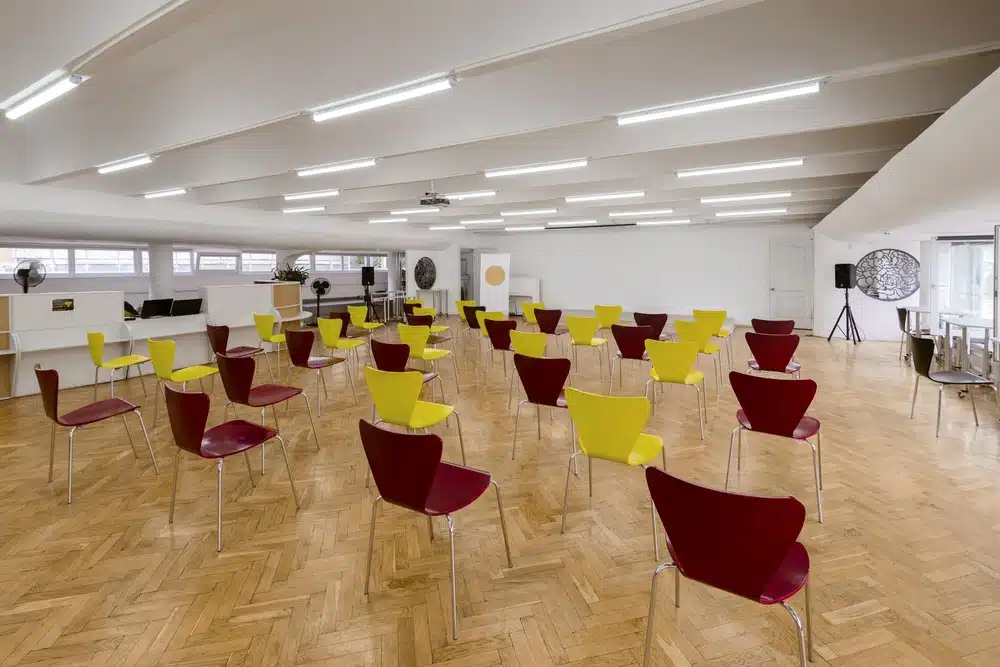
(434, 199)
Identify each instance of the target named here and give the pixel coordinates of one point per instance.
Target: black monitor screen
(155, 308)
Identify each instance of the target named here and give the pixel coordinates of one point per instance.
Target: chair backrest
(408, 308)
(730, 541)
(582, 329)
(300, 345)
(218, 337)
(528, 309)
(656, 321)
(48, 386)
(188, 413)
(162, 353)
(922, 351)
(631, 341)
(772, 405)
(772, 352)
(237, 376)
(403, 464)
(469, 312)
(713, 319)
(499, 332)
(773, 326)
(901, 314)
(547, 319)
(543, 379)
(607, 426)
(95, 344)
(693, 332)
(672, 361)
(608, 315)
(394, 394)
(359, 315)
(330, 329)
(391, 357)
(460, 307)
(420, 320)
(483, 315)
(530, 344)
(344, 317)
(419, 310)
(414, 336)
(413, 302)
(264, 323)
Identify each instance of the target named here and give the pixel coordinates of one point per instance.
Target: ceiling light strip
(386, 221)
(176, 192)
(304, 209)
(459, 196)
(41, 92)
(445, 228)
(336, 166)
(572, 223)
(641, 214)
(737, 168)
(764, 196)
(748, 213)
(127, 163)
(537, 168)
(385, 97)
(319, 194)
(531, 211)
(605, 197)
(532, 228)
(484, 221)
(657, 223)
(412, 211)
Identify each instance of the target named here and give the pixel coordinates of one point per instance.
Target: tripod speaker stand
(850, 329)
(367, 280)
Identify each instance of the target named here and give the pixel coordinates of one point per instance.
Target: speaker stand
(850, 330)
(372, 311)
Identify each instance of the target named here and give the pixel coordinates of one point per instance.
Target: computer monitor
(155, 308)
(185, 307)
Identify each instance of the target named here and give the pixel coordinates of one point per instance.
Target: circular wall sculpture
(888, 275)
(425, 273)
(495, 275)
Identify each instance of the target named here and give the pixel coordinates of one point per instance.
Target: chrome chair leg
(246, 457)
(819, 458)
(69, 468)
(350, 378)
(809, 622)
(656, 542)
(173, 486)
(96, 377)
(129, 434)
(312, 424)
(291, 480)
(517, 417)
(145, 436)
(701, 422)
(461, 440)
(799, 630)
(454, 595)
(819, 489)
(913, 403)
(972, 399)
(937, 430)
(569, 471)
(218, 467)
(503, 522)
(52, 450)
(729, 463)
(652, 610)
(371, 543)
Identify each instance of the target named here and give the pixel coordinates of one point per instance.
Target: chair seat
(276, 338)
(807, 427)
(324, 362)
(692, 377)
(434, 339)
(439, 328)
(789, 578)
(370, 325)
(710, 348)
(647, 447)
(793, 366)
(559, 331)
(430, 354)
(95, 412)
(233, 437)
(594, 342)
(428, 375)
(192, 373)
(122, 362)
(427, 414)
(645, 356)
(243, 351)
(349, 343)
(723, 333)
(958, 377)
(455, 487)
(269, 394)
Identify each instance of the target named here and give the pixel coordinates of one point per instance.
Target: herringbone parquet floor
(906, 569)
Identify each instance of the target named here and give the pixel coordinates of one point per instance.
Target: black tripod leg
(852, 327)
(837, 324)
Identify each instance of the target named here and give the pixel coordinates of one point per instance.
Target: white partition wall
(234, 306)
(494, 281)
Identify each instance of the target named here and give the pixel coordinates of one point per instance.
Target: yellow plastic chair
(528, 308)
(163, 353)
(397, 399)
(330, 330)
(610, 428)
(482, 316)
(359, 320)
(264, 323)
(435, 328)
(416, 338)
(460, 306)
(714, 320)
(95, 343)
(581, 333)
(696, 332)
(608, 315)
(673, 363)
(415, 302)
(529, 344)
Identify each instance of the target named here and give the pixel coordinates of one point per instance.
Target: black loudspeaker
(368, 275)
(845, 276)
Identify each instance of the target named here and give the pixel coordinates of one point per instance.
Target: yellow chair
(264, 323)
(397, 399)
(528, 308)
(460, 306)
(416, 338)
(714, 320)
(163, 353)
(608, 315)
(415, 302)
(482, 316)
(696, 332)
(359, 320)
(95, 342)
(581, 333)
(529, 344)
(435, 328)
(673, 363)
(610, 428)
(330, 329)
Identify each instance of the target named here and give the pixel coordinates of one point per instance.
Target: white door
(791, 277)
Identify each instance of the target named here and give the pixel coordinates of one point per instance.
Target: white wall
(876, 319)
(662, 269)
(448, 263)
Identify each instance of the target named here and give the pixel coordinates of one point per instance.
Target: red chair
(237, 377)
(772, 353)
(773, 326)
(92, 413)
(544, 381)
(218, 338)
(654, 320)
(776, 407)
(188, 414)
(392, 357)
(499, 335)
(434, 338)
(631, 343)
(300, 345)
(548, 323)
(741, 544)
(409, 473)
(470, 317)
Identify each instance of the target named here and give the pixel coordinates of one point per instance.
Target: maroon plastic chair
(544, 382)
(631, 343)
(300, 345)
(744, 545)
(218, 338)
(188, 414)
(428, 321)
(409, 473)
(346, 330)
(773, 326)
(548, 323)
(393, 357)
(772, 353)
(498, 331)
(92, 413)
(776, 407)
(654, 320)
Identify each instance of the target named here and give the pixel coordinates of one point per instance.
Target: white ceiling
(216, 90)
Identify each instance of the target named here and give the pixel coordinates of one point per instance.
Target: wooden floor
(906, 569)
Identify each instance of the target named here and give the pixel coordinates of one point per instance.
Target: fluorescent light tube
(611, 195)
(176, 192)
(656, 223)
(537, 168)
(319, 194)
(737, 198)
(718, 102)
(532, 228)
(411, 211)
(640, 214)
(759, 211)
(445, 228)
(484, 221)
(127, 163)
(736, 168)
(472, 195)
(336, 166)
(572, 223)
(304, 209)
(533, 211)
(40, 93)
(384, 97)
(385, 221)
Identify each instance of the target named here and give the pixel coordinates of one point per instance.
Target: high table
(966, 323)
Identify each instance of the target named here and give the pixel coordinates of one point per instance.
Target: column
(161, 271)
(392, 264)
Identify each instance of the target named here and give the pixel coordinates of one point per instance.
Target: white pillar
(161, 271)
(392, 264)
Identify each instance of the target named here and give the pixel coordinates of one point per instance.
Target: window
(182, 261)
(327, 263)
(378, 261)
(304, 262)
(258, 262)
(97, 261)
(56, 260)
(355, 262)
(965, 278)
(216, 262)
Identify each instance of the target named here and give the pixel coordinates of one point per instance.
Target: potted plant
(291, 274)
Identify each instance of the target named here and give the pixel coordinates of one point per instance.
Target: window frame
(234, 256)
(144, 266)
(104, 274)
(274, 262)
(49, 272)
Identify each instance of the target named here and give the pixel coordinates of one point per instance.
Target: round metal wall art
(888, 274)
(425, 273)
